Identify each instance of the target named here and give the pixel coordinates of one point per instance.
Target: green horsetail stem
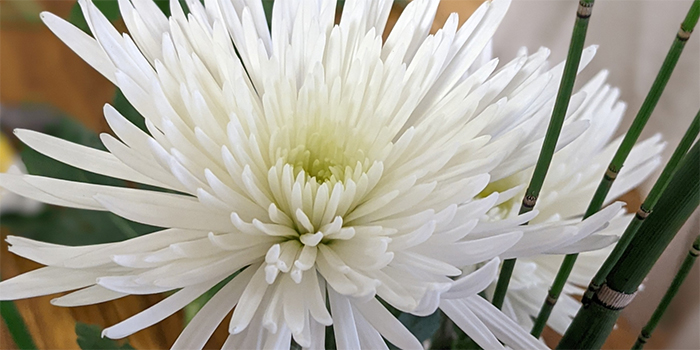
(561, 104)
(646, 207)
(645, 334)
(643, 212)
(595, 320)
(623, 151)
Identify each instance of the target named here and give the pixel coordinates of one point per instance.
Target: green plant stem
(646, 207)
(627, 236)
(553, 294)
(623, 151)
(561, 104)
(654, 94)
(16, 326)
(645, 334)
(595, 320)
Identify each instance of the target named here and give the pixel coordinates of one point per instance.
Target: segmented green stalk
(622, 152)
(553, 294)
(595, 320)
(646, 207)
(561, 104)
(645, 334)
(627, 236)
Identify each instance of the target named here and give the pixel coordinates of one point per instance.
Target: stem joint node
(611, 173)
(684, 34)
(694, 251)
(585, 9)
(529, 201)
(612, 299)
(642, 213)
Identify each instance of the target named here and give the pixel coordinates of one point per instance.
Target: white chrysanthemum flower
(569, 187)
(323, 165)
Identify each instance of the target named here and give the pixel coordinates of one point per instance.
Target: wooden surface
(36, 67)
(53, 327)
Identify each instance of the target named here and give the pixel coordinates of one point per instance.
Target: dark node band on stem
(611, 173)
(642, 213)
(684, 34)
(694, 250)
(529, 201)
(643, 337)
(551, 300)
(585, 9)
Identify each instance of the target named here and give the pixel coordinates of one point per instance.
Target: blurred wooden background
(36, 67)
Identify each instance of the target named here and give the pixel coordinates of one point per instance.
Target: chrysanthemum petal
(82, 157)
(475, 282)
(388, 326)
(82, 44)
(180, 212)
(465, 319)
(344, 326)
(157, 312)
(17, 184)
(46, 280)
(505, 328)
(203, 324)
(87, 296)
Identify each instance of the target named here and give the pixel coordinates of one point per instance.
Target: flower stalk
(578, 37)
(648, 329)
(646, 207)
(623, 151)
(595, 320)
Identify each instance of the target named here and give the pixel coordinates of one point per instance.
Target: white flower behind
(571, 182)
(325, 166)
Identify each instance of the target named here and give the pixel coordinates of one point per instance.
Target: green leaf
(164, 6)
(267, 7)
(422, 327)
(90, 338)
(77, 19)
(295, 345)
(110, 8)
(73, 227)
(330, 339)
(463, 342)
(123, 106)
